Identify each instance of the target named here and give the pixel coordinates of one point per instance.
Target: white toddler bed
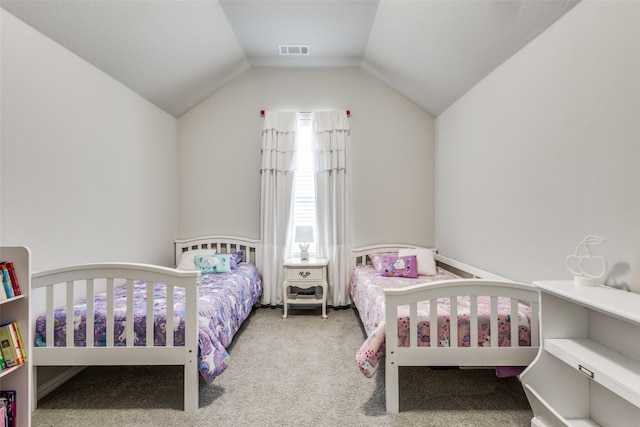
(483, 308)
(120, 291)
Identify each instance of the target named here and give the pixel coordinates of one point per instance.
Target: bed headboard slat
(362, 256)
(222, 244)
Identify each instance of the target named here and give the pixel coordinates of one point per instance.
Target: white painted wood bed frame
(480, 283)
(84, 279)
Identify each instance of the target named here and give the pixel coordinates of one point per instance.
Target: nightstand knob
(304, 274)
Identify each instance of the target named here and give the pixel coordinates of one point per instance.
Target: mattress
(367, 293)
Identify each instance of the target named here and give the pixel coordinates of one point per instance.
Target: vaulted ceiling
(177, 53)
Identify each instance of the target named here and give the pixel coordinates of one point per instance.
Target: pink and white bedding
(225, 301)
(368, 296)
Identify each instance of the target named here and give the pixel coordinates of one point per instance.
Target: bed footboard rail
(452, 354)
(66, 286)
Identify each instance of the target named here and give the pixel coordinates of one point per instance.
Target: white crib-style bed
(481, 302)
(120, 292)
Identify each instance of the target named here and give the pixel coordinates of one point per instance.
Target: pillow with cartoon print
(399, 266)
(213, 264)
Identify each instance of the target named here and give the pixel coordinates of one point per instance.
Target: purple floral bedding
(368, 296)
(226, 299)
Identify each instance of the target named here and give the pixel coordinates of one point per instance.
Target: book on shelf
(6, 282)
(14, 278)
(16, 329)
(10, 286)
(8, 401)
(3, 365)
(10, 345)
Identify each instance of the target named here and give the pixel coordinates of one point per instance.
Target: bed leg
(391, 385)
(191, 386)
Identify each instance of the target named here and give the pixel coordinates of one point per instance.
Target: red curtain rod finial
(261, 113)
(348, 113)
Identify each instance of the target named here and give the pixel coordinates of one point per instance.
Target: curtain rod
(348, 113)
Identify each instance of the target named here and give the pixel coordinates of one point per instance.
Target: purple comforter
(225, 301)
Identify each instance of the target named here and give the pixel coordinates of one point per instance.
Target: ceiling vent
(294, 49)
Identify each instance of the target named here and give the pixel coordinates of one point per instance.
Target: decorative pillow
(187, 262)
(236, 257)
(376, 259)
(218, 263)
(426, 262)
(399, 266)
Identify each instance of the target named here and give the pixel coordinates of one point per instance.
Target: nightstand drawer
(312, 273)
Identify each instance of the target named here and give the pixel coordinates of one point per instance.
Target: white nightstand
(305, 275)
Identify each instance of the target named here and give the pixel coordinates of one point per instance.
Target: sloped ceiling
(177, 53)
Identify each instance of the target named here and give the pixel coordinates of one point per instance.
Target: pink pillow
(399, 266)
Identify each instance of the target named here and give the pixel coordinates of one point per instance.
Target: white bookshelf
(17, 309)
(587, 372)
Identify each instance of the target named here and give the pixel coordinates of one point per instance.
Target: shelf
(544, 411)
(16, 309)
(613, 302)
(582, 423)
(304, 299)
(588, 366)
(8, 371)
(8, 300)
(617, 372)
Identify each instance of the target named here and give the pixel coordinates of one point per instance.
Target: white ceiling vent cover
(294, 49)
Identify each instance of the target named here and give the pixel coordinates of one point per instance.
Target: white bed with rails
(483, 304)
(177, 303)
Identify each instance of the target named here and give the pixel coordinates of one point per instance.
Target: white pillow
(187, 262)
(426, 262)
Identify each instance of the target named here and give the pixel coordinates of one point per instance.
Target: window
(304, 188)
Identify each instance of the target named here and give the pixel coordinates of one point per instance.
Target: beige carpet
(298, 371)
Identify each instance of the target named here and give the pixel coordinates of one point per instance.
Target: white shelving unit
(17, 309)
(587, 372)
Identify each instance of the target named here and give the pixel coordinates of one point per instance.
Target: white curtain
(278, 164)
(333, 213)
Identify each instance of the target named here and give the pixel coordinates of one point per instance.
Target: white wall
(88, 170)
(546, 150)
(391, 154)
